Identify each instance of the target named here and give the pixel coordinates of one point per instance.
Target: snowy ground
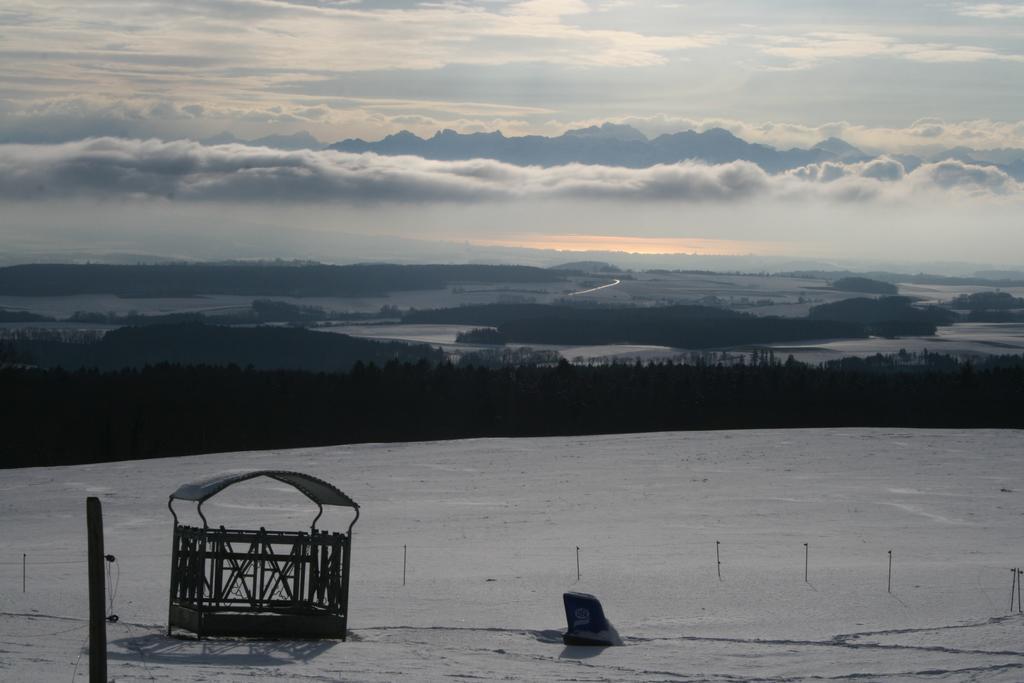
(964, 340)
(65, 306)
(757, 294)
(492, 526)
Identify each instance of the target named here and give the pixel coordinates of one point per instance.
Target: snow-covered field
(757, 294)
(960, 339)
(65, 306)
(492, 527)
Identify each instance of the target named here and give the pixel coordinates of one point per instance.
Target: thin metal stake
(1013, 587)
(1019, 572)
(718, 558)
(23, 572)
(807, 553)
(890, 571)
(405, 554)
(577, 563)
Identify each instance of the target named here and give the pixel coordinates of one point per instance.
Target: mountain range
(613, 144)
(607, 145)
(621, 145)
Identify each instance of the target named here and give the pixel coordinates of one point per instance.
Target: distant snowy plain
(492, 527)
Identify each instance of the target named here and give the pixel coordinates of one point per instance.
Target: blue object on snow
(587, 623)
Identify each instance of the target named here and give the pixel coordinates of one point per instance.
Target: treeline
(259, 311)
(15, 316)
(922, 361)
(995, 316)
(987, 301)
(990, 307)
(865, 285)
(887, 316)
(700, 333)
(694, 327)
(991, 279)
(51, 417)
(184, 280)
(195, 343)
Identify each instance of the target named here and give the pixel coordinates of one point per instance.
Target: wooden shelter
(260, 583)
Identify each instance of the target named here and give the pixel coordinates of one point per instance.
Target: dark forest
(52, 417)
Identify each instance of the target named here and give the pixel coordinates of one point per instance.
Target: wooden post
(718, 559)
(890, 571)
(176, 578)
(346, 568)
(577, 563)
(97, 593)
(405, 552)
(807, 554)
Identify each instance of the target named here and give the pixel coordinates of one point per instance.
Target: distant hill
(864, 285)
(887, 308)
(589, 267)
(495, 315)
(181, 280)
(1017, 275)
(987, 301)
(9, 316)
(888, 316)
(198, 344)
(684, 327)
(982, 279)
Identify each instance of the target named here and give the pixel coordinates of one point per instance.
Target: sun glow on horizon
(696, 246)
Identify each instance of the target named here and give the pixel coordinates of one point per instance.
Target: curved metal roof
(317, 490)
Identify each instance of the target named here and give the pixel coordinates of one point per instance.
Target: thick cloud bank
(112, 168)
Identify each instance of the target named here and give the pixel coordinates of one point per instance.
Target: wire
(112, 587)
(42, 562)
(113, 618)
(81, 651)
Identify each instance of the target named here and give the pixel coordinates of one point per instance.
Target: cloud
(344, 68)
(76, 118)
(245, 44)
(882, 169)
(807, 50)
(64, 119)
(113, 169)
(993, 10)
(887, 178)
(976, 179)
(116, 168)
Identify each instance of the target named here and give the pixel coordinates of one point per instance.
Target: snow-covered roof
(317, 490)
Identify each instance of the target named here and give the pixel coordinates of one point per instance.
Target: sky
(102, 104)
